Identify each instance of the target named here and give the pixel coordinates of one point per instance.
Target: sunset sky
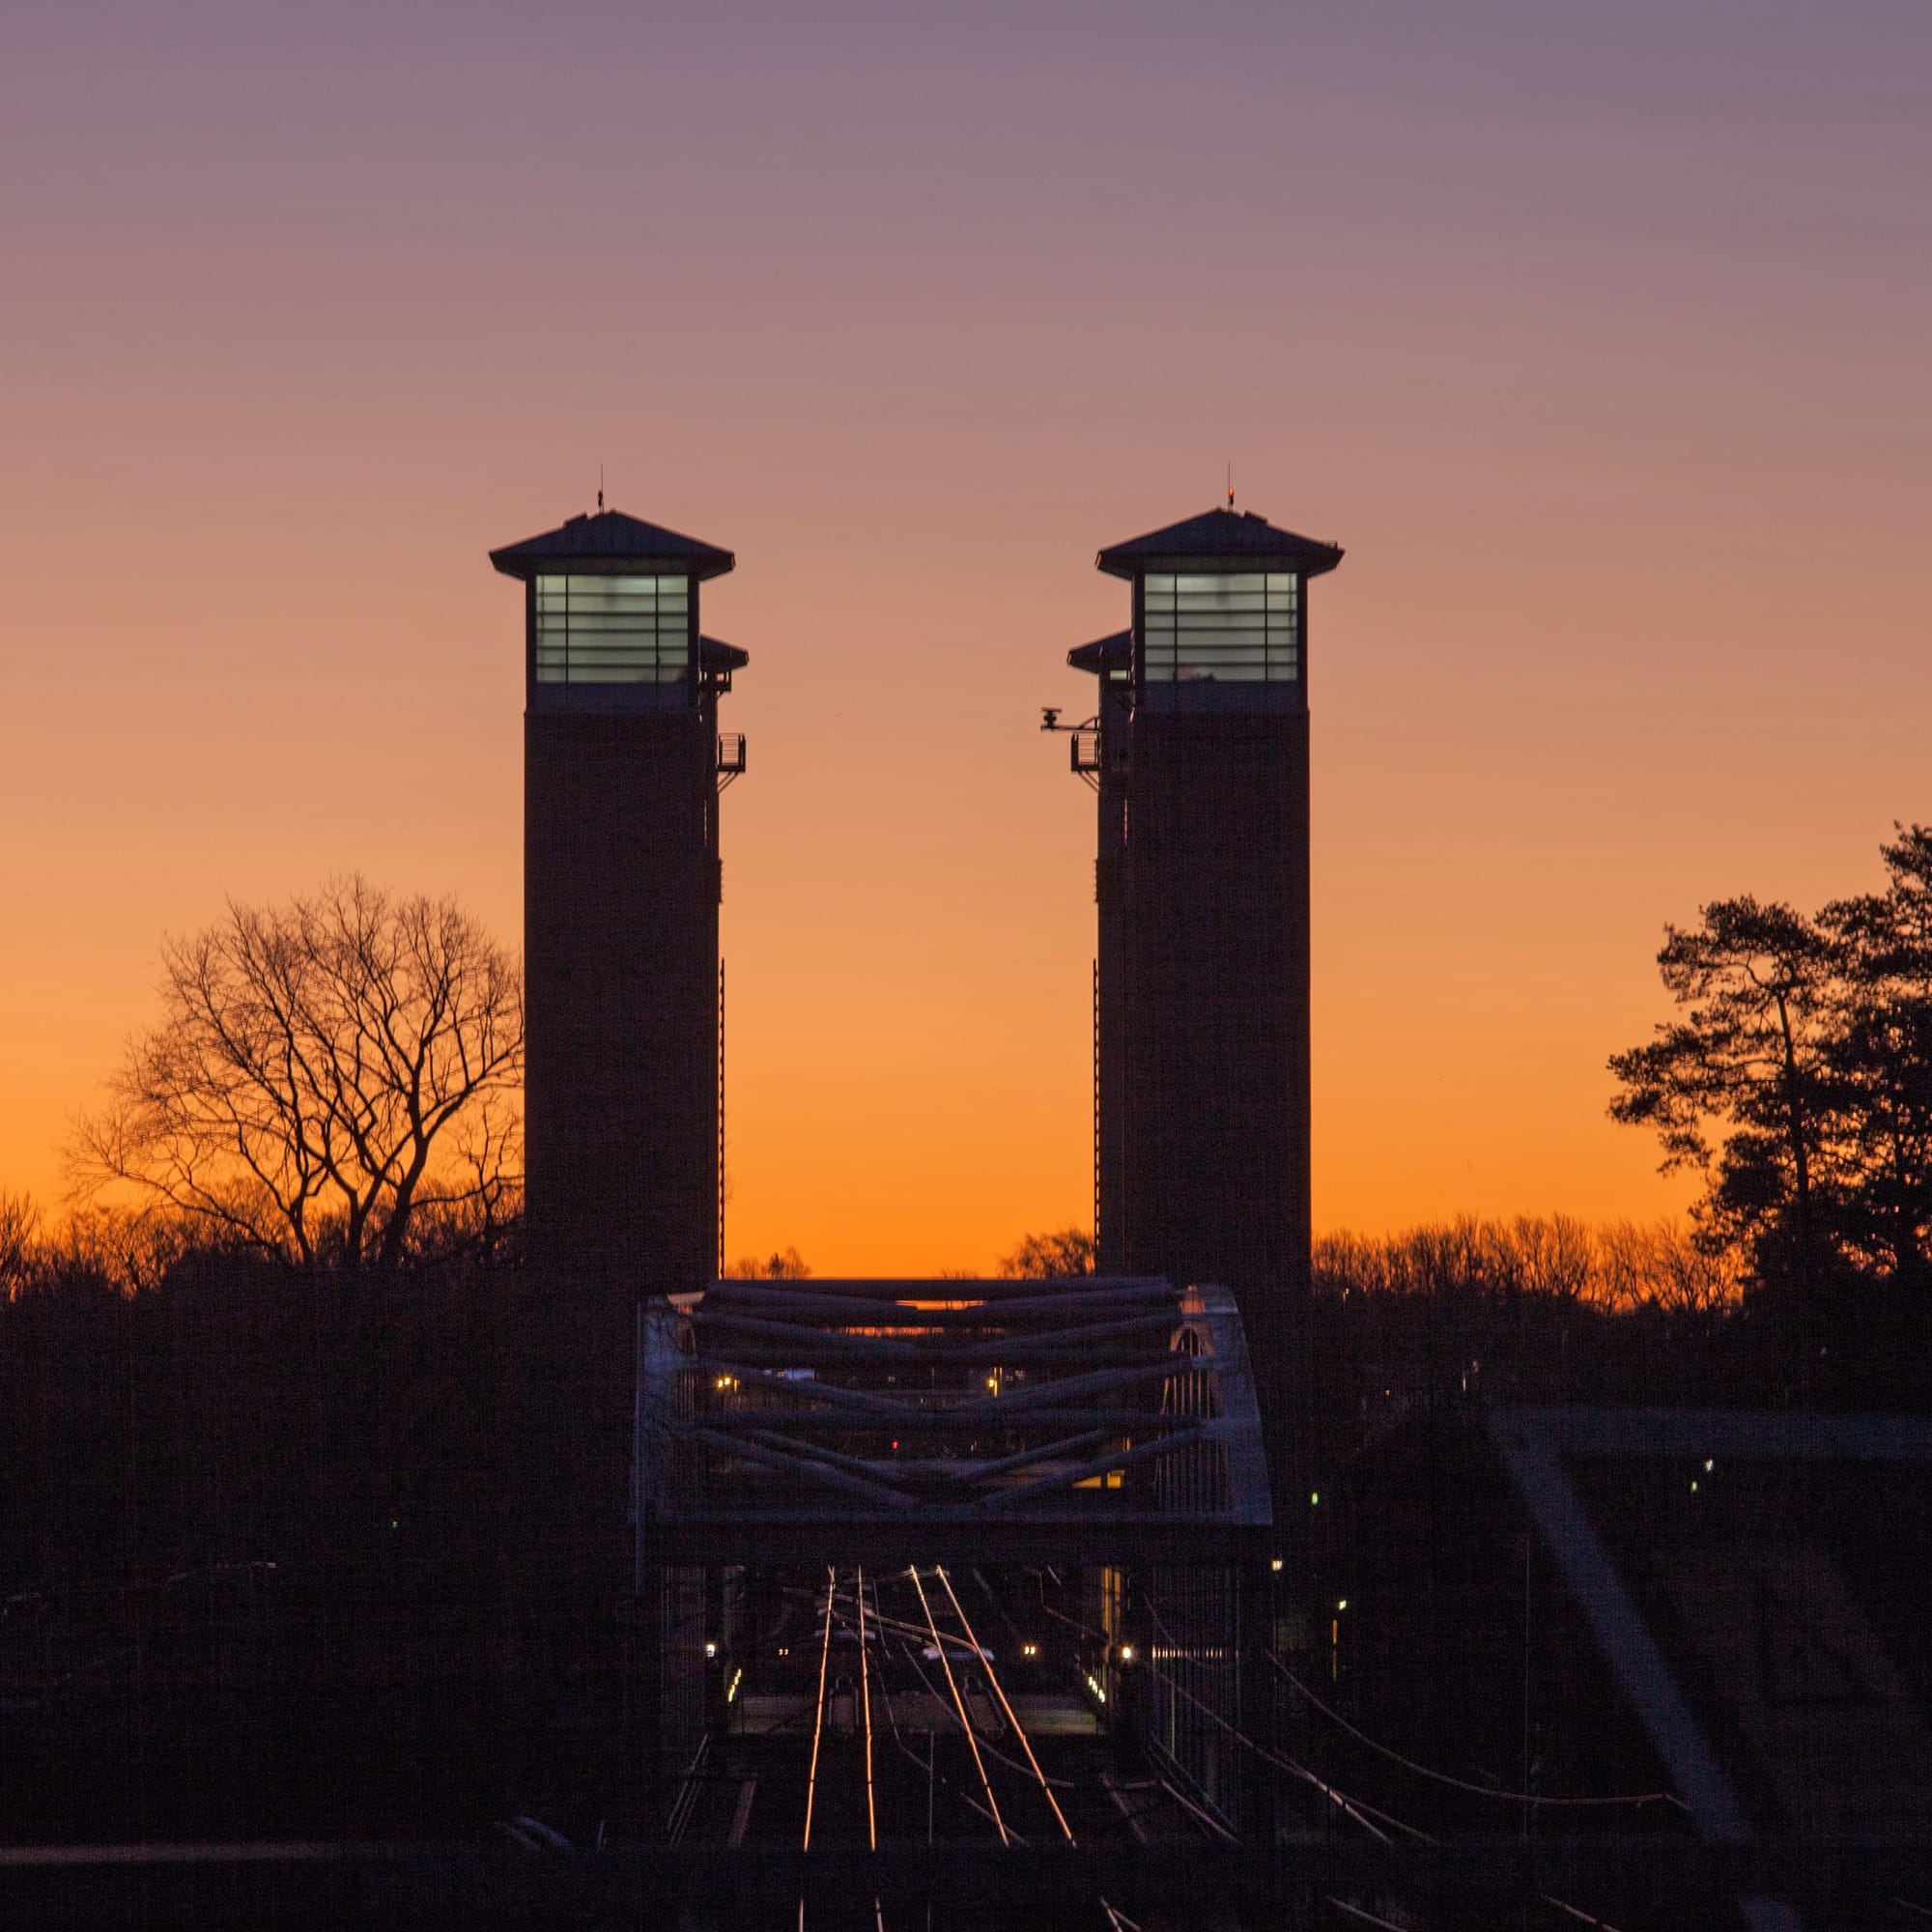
(1600, 338)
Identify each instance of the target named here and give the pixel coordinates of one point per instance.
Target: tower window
(1238, 629)
(613, 629)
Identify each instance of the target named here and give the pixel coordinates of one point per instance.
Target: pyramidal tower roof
(1220, 539)
(609, 544)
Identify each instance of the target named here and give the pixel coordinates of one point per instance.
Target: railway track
(905, 1728)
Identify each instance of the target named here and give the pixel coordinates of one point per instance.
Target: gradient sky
(1601, 337)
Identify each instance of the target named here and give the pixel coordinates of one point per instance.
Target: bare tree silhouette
(1062, 1251)
(21, 1237)
(323, 1075)
(783, 1264)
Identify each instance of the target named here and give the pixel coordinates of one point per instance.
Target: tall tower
(621, 883)
(1201, 757)
(622, 764)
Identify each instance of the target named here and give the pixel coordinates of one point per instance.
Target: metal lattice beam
(1101, 1418)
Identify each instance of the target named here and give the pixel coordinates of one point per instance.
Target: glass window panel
(1222, 590)
(612, 630)
(1239, 627)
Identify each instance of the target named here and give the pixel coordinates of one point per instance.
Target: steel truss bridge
(970, 1566)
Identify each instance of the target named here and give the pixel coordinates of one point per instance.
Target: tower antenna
(1230, 483)
(600, 487)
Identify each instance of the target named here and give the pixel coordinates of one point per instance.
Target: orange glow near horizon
(1618, 412)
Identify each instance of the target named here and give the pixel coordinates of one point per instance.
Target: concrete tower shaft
(621, 923)
(1202, 1001)
(621, 771)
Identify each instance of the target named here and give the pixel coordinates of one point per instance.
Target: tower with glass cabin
(622, 770)
(1199, 751)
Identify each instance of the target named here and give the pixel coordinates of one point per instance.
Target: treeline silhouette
(252, 1541)
(254, 1535)
(1615, 1267)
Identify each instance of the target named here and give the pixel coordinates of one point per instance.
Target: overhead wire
(1633, 1797)
(1357, 1808)
(1366, 1917)
(865, 1698)
(999, 1691)
(959, 1792)
(818, 1719)
(1576, 1911)
(965, 1723)
(1200, 1812)
(1354, 1808)
(1117, 1920)
(913, 1630)
(992, 1750)
(1369, 1817)
(893, 1722)
(1359, 1811)
(912, 1758)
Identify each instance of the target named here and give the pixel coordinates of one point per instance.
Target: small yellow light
(1029, 1650)
(1274, 1564)
(994, 1383)
(1126, 1653)
(1313, 1497)
(711, 1650)
(1342, 1604)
